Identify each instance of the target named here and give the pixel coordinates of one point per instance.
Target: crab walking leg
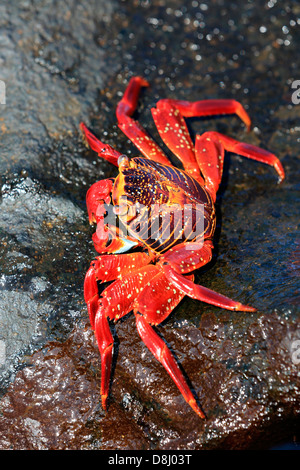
(158, 299)
(91, 294)
(209, 108)
(114, 303)
(129, 101)
(202, 293)
(104, 150)
(131, 128)
(247, 150)
(107, 268)
(210, 159)
(105, 344)
(173, 130)
(111, 267)
(162, 353)
(188, 256)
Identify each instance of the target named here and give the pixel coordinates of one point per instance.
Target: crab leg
(157, 299)
(162, 353)
(105, 343)
(129, 101)
(173, 130)
(186, 258)
(169, 119)
(107, 268)
(104, 150)
(189, 256)
(210, 158)
(153, 305)
(116, 301)
(91, 294)
(208, 108)
(202, 293)
(131, 128)
(241, 148)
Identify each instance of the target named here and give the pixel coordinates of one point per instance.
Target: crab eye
(123, 161)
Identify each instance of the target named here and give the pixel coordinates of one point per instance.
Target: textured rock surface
(64, 62)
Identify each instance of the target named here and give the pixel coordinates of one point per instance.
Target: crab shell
(150, 198)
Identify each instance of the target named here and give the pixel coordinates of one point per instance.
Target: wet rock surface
(67, 62)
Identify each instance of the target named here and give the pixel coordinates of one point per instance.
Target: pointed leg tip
(144, 82)
(82, 127)
(200, 414)
(193, 404)
(138, 80)
(281, 174)
(251, 309)
(104, 402)
(84, 130)
(246, 308)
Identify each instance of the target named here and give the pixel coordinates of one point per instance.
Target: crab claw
(110, 239)
(98, 195)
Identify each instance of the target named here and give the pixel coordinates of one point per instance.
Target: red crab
(157, 273)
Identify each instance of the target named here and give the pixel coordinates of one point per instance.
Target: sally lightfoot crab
(149, 273)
